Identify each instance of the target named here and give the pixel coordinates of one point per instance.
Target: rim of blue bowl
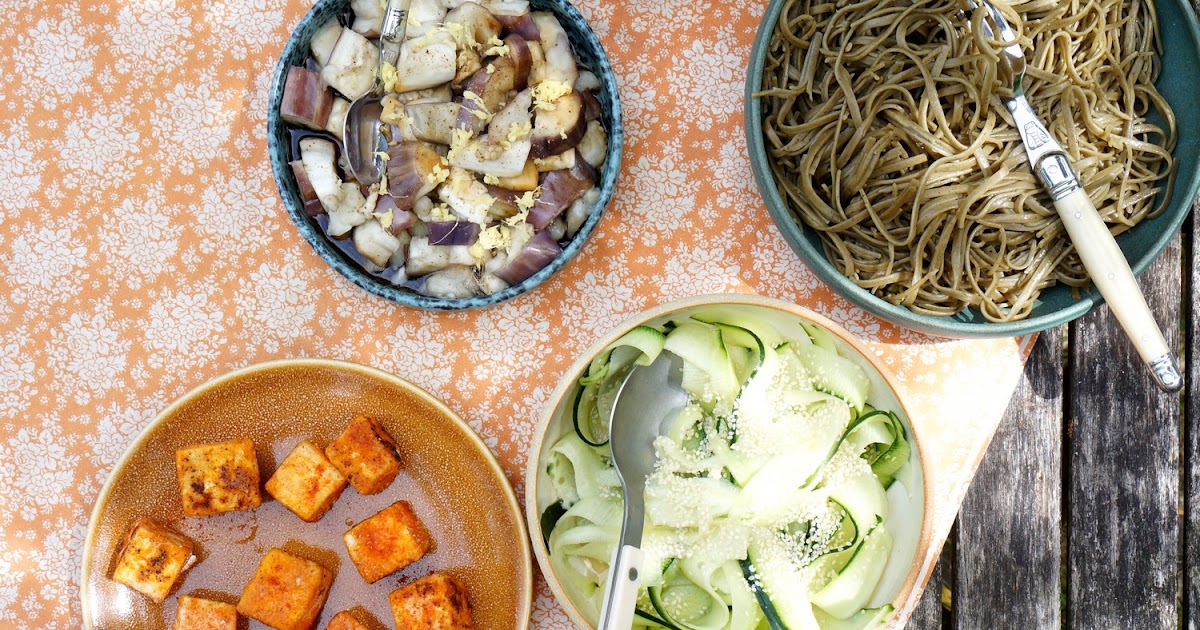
(796, 234)
(588, 51)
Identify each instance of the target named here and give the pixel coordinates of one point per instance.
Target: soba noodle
(887, 135)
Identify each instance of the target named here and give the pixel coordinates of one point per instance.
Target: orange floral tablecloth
(144, 250)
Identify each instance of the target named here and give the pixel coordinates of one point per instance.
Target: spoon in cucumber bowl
(649, 399)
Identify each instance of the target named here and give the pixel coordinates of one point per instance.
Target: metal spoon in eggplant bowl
(648, 400)
(362, 137)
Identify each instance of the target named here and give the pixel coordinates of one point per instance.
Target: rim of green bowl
(797, 235)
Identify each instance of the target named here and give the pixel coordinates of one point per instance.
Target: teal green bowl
(1141, 245)
(588, 51)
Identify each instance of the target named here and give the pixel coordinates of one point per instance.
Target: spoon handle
(391, 34)
(1109, 269)
(620, 596)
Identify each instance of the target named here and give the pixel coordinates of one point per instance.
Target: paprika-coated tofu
(306, 483)
(195, 613)
(366, 454)
(436, 602)
(218, 478)
(343, 621)
(152, 559)
(286, 592)
(387, 541)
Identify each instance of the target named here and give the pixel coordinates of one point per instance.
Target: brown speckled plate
(453, 483)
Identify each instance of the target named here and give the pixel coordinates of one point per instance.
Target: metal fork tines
(1012, 60)
(1055, 173)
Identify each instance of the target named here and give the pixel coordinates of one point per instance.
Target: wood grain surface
(1191, 431)
(1085, 513)
(929, 611)
(1010, 519)
(1123, 481)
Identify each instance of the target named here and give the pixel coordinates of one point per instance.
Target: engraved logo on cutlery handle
(1035, 136)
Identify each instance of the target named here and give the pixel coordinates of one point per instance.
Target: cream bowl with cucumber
(788, 493)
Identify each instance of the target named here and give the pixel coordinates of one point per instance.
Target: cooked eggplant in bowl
(788, 492)
(503, 132)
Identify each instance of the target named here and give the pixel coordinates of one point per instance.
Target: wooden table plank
(1123, 470)
(1009, 528)
(928, 614)
(1191, 431)
(1191, 479)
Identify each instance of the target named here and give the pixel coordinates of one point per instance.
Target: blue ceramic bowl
(1141, 245)
(588, 52)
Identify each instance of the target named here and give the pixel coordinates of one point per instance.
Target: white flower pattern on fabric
(117, 426)
(499, 330)
(638, 100)
(733, 180)
(259, 95)
(780, 269)
(150, 36)
(183, 330)
(714, 80)
(858, 322)
(59, 565)
(526, 413)
(697, 272)
(233, 213)
(46, 265)
(598, 16)
(144, 240)
(650, 15)
(40, 468)
(483, 421)
(20, 172)
(197, 121)
(546, 613)
(89, 350)
(10, 578)
(596, 303)
(276, 298)
(667, 179)
(247, 24)
(103, 149)
(419, 355)
(54, 59)
(16, 375)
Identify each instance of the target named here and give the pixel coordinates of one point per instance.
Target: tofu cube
(195, 613)
(286, 592)
(218, 478)
(386, 542)
(152, 559)
(306, 483)
(436, 602)
(366, 455)
(343, 621)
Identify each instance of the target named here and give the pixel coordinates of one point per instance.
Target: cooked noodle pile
(887, 135)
